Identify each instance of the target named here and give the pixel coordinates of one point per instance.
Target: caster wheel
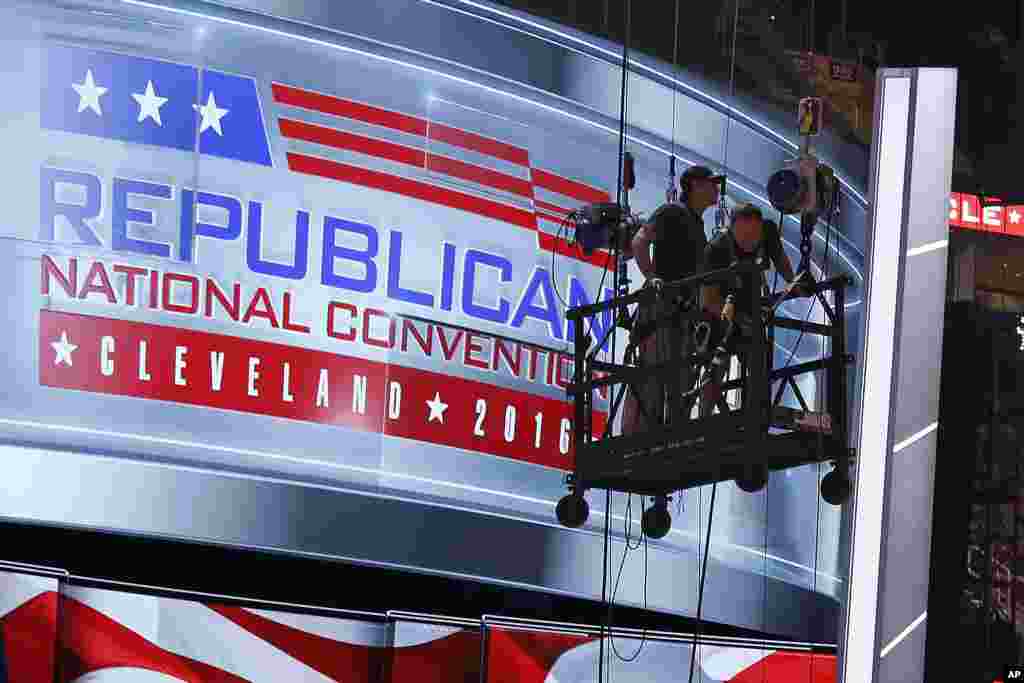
(835, 487)
(572, 511)
(754, 478)
(656, 520)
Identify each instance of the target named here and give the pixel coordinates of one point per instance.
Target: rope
(673, 191)
(615, 285)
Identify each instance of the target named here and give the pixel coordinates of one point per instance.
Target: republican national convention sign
(278, 292)
(137, 101)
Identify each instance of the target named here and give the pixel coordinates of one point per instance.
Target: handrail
(668, 288)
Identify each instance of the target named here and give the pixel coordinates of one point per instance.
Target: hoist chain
(807, 221)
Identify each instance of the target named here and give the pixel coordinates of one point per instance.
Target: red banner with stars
(108, 356)
(975, 213)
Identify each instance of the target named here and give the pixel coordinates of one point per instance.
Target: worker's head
(700, 188)
(747, 226)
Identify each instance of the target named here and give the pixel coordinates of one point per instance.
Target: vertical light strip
(879, 346)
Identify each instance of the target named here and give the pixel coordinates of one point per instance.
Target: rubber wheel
(753, 479)
(572, 511)
(835, 487)
(656, 521)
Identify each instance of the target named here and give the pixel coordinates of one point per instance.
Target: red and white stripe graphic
(434, 653)
(382, 149)
(90, 635)
(740, 665)
(107, 634)
(28, 627)
(522, 655)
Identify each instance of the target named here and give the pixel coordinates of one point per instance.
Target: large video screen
(252, 262)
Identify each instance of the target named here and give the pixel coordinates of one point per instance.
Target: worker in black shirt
(676, 231)
(749, 238)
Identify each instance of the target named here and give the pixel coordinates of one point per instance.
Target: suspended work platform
(742, 439)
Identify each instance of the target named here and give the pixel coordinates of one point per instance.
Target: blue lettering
(121, 215)
(332, 251)
(189, 202)
(599, 327)
(76, 214)
(448, 277)
(540, 282)
(395, 290)
(469, 307)
(253, 251)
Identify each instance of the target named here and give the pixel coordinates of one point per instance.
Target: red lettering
(69, 282)
(154, 288)
(288, 325)
(563, 381)
(351, 334)
(213, 291)
(471, 347)
(954, 208)
(409, 327)
(130, 273)
(502, 351)
(193, 306)
(98, 272)
(381, 343)
(534, 352)
(261, 297)
(448, 351)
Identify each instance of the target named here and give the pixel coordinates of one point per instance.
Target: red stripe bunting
(416, 189)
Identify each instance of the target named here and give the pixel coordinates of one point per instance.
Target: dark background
(983, 40)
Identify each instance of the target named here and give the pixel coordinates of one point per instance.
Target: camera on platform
(598, 225)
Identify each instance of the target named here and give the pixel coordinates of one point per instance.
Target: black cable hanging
(673, 192)
(617, 256)
(719, 218)
(764, 594)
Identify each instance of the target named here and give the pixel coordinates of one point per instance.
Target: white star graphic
(211, 113)
(1014, 216)
(149, 104)
(63, 349)
(89, 94)
(437, 408)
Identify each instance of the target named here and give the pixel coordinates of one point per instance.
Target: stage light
(786, 190)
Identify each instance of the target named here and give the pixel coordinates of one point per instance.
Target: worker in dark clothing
(676, 232)
(749, 239)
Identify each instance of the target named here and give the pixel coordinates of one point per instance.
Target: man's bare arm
(785, 267)
(641, 248)
(711, 299)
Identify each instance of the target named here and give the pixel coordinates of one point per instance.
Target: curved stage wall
(293, 282)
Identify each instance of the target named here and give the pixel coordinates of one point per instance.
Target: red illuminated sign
(968, 211)
(109, 356)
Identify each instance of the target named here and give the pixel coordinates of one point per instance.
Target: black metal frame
(680, 452)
